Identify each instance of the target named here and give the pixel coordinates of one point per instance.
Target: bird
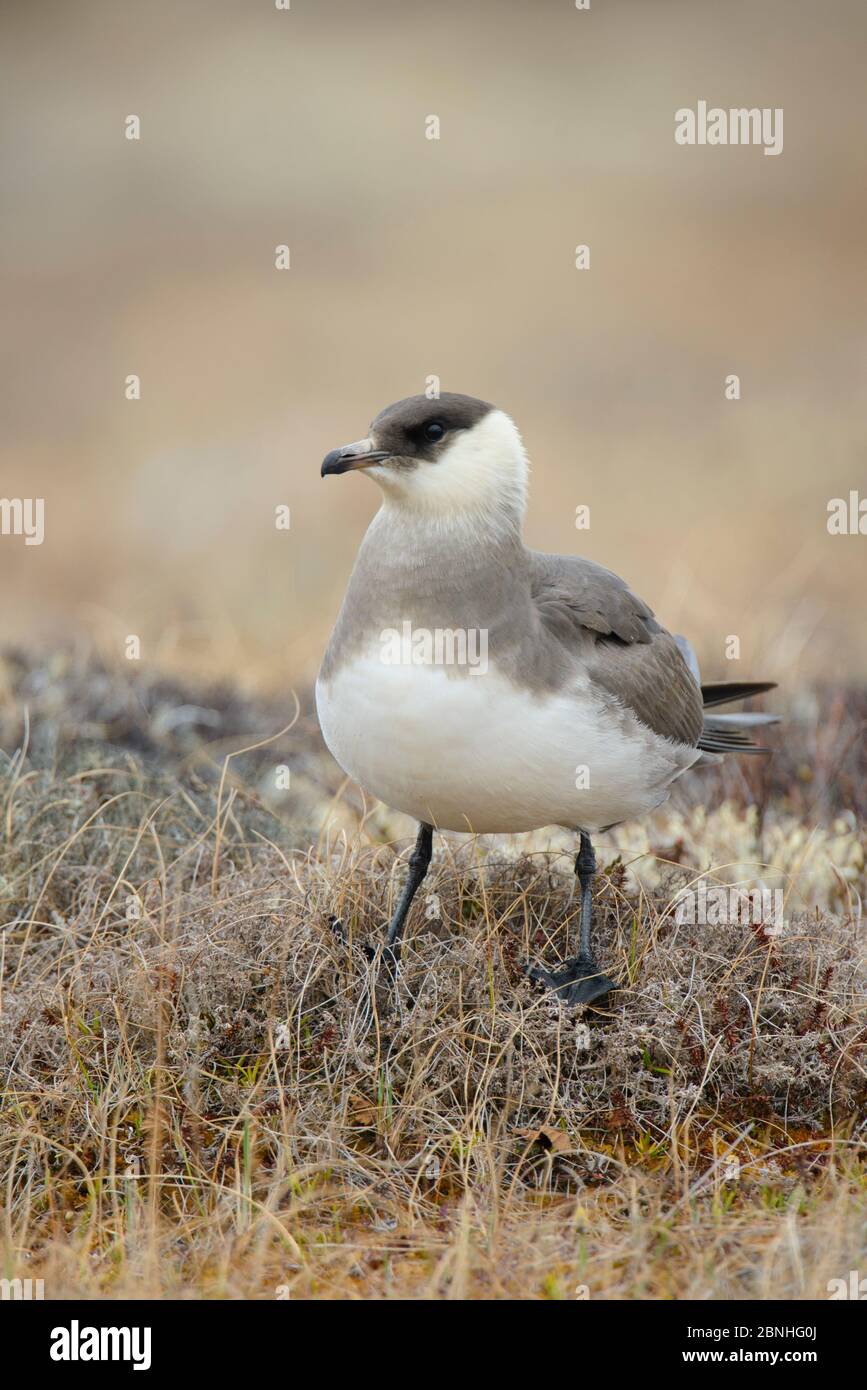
(482, 687)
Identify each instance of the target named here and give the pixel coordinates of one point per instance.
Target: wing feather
(628, 653)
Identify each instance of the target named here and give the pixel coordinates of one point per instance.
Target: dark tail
(726, 692)
(726, 733)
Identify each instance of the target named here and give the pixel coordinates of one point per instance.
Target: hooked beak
(361, 454)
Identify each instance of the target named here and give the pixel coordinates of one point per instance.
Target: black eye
(434, 431)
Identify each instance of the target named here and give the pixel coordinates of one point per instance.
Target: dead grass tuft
(201, 1101)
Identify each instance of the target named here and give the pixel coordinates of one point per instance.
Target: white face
(472, 470)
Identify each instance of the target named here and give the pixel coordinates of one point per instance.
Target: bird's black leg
(580, 981)
(419, 862)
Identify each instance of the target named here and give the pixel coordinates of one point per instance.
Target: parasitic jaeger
(584, 710)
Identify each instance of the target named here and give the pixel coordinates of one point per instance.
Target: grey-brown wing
(630, 655)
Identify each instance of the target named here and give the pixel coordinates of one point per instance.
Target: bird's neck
(447, 549)
(431, 574)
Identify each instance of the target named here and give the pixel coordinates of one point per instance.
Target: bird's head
(453, 456)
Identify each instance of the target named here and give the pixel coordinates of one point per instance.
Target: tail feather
(725, 692)
(725, 733)
(742, 720)
(728, 741)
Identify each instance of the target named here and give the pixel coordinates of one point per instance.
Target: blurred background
(412, 257)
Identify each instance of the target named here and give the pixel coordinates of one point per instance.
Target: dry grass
(200, 1102)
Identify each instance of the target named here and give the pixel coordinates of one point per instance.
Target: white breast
(478, 753)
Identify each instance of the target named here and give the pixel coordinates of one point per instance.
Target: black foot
(579, 982)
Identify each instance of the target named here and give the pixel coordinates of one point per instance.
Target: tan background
(412, 257)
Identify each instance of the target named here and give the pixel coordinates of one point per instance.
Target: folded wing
(627, 652)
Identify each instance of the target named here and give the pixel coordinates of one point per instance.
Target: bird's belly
(479, 753)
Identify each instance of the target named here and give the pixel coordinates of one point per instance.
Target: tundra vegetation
(207, 1093)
